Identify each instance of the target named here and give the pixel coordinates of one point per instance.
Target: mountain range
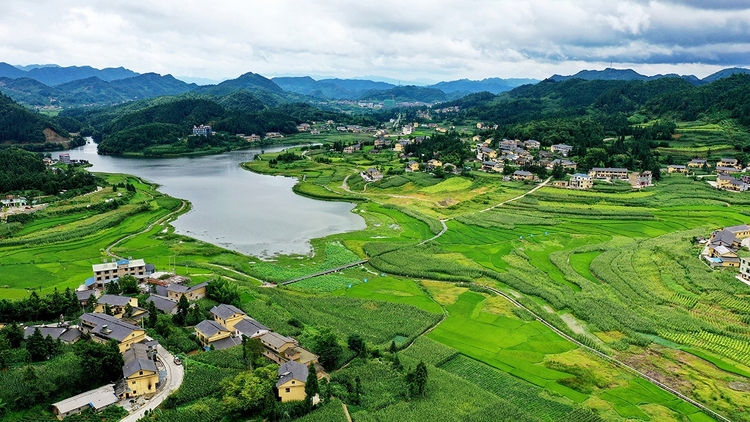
(74, 86)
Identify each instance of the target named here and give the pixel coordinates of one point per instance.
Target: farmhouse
(523, 175)
(532, 144)
(608, 173)
(176, 291)
(745, 269)
(103, 327)
(140, 376)
(281, 349)
(729, 162)
(674, 168)
(113, 270)
(561, 149)
(291, 383)
(640, 180)
(434, 163)
(63, 332)
(697, 163)
(201, 130)
(566, 164)
(371, 175)
(560, 184)
(412, 166)
(581, 181)
(97, 400)
(163, 304)
(118, 306)
(492, 166)
(250, 328)
(741, 232)
(726, 170)
(227, 315)
(211, 333)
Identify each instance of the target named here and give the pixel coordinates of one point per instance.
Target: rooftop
(97, 399)
(250, 327)
(292, 371)
(115, 328)
(114, 300)
(209, 327)
(224, 311)
(275, 340)
(136, 360)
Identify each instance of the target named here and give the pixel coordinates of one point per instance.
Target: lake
(233, 208)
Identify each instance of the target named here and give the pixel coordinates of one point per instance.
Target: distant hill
(335, 89)
(493, 85)
(21, 126)
(265, 89)
(8, 71)
(92, 90)
(725, 73)
(407, 93)
(52, 75)
(611, 74)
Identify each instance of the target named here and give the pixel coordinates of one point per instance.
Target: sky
(412, 40)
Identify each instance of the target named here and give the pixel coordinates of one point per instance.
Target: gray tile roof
(85, 294)
(292, 371)
(209, 327)
(740, 228)
(226, 343)
(275, 340)
(250, 327)
(114, 300)
(161, 290)
(179, 288)
(53, 332)
(225, 311)
(162, 303)
(71, 335)
(116, 329)
(136, 360)
(99, 399)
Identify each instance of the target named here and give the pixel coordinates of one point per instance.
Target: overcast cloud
(406, 40)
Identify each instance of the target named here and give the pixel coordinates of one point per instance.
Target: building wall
(292, 391)
(230, 322)
(139, 385)
(216, 337)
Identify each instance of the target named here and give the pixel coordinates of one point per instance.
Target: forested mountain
(407, 93)
(55, 75)
(631, 75)
(263, 88)
(493, 85)
(164, 125)
(336, 89)
(92, 90)
(21, 126)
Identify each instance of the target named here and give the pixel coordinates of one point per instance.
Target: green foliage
(328, 349)
(357, 345)
(336, 255)
(22, 170)
(19, 125)
(128, 284)
(36, 308)
(429, 351)
(223, 291)
(201, 380)
(245, 393)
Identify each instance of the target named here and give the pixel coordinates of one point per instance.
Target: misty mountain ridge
(611, 74)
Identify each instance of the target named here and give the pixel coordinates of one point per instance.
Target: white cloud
(404, 40)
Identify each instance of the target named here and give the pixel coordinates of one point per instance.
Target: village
(150, 372)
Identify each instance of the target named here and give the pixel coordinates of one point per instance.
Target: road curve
(175, 375)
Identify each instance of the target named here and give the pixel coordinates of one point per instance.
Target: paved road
(175, 375)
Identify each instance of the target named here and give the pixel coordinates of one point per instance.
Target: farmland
(614, 268)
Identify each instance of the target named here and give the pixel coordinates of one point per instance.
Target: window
(133, 382)
(287, 390)
(141, 373)
(292, 382)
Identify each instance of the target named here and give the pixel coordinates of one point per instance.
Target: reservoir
(233, 208)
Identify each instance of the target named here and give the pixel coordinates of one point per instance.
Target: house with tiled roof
(140, 375)
(103, 327)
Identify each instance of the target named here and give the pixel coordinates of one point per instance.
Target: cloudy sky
(404, 40)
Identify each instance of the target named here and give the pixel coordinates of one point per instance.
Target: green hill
(21, 126)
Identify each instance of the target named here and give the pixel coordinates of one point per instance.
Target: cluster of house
(722, 247)
(11, 201)
(510, 151)
(355, 128)
(228, 327)
(726, 169)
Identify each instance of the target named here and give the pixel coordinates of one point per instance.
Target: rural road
(175, 375)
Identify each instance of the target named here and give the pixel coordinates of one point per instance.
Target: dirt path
(150, 226)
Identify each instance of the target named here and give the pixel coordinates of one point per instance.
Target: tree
(558, 171)
(328, 348)
(13, 333)
(112, 288)
(129, 284)
(91, 303)
(357, 344)
(311, 385)
(393, 348)
(246, 392)
(252, 349)
(36, 346)
(194, 316)
(417, 380)
(183, 306)
(103, 361)
(108, 309)
(153, 313)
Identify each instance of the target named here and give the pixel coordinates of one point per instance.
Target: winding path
(147, 229)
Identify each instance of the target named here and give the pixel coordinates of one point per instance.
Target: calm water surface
(239, 210)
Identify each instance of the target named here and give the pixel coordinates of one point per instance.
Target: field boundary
(318, 274)
(610, 359)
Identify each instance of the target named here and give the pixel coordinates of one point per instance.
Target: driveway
(175, 374)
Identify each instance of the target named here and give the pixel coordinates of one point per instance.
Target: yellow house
(523, 175)
(398, 147)
(209, 332)
(742, 231)
(413, 166)
(291, 383)
(697, 163)
(723, 180)
(176, 291)
(227, 315)
(434, 163)
(103, 327)
(676, 169)
(728, 162)
(140, 376)
(117, 304)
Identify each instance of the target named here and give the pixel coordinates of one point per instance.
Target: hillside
(407, 93)
(611, 74)
(55, 75)
(493, 85)
(21, 126)
(336, 89)
(92, 90)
